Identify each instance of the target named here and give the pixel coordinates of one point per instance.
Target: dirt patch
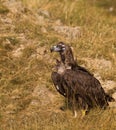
(98, 64)
(43, 96)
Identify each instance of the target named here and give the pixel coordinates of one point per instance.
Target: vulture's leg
(75, 114)
(68, 100)
(74, 105)
(71, 100)
(85, 108)
(84, 112)
(82, 104)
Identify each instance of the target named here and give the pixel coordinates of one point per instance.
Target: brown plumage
(76, 83)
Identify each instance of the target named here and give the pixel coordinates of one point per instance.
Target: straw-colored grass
(28, 100)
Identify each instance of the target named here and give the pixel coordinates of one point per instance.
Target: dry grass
(27, 97)
(3, 9)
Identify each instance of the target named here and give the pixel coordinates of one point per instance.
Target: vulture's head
(65, 52)
(60, 47)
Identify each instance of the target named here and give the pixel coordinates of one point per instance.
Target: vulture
(76, 83)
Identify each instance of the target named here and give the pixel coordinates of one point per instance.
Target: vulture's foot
(84, 112)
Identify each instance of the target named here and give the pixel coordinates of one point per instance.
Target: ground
(28, 98)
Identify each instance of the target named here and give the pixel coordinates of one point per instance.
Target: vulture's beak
(55, 48)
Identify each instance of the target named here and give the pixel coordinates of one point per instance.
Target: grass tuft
(3, 9)
(28, 98)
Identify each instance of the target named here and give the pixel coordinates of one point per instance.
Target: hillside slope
(28, 98)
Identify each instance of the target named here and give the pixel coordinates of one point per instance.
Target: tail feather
(109, 98)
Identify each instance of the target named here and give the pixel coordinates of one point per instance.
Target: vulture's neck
(67, 58)
(60, 67)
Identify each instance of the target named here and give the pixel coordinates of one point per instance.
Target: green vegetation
(28, 100)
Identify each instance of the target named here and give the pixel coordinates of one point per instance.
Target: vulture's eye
(61, 47)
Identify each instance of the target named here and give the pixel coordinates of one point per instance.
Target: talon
(75, 114)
